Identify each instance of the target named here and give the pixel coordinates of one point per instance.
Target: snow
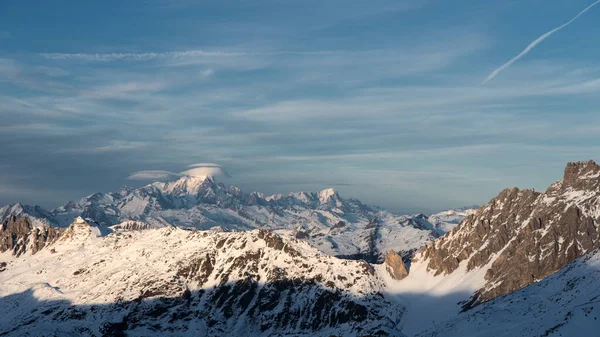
(83, 270)
(566, 303)
(326, 194)
(430, 298)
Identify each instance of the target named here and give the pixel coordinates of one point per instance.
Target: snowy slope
(564, 304)
(171, 281)
(174, 282)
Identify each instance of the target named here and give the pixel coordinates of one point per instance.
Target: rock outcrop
(522, 236)
(18, 235)
(395, 266)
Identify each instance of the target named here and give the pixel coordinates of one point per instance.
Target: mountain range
(524, 264)
(335, 225)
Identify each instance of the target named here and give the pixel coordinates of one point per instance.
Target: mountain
(445, 221)
(171, 281)
(38, 216)
(525, 264)
(520, 237)
(336, 226)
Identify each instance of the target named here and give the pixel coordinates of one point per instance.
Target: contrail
(535, 43)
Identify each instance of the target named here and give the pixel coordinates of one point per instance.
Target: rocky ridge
(523, 236)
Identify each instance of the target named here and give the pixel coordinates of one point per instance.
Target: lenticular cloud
(196, 170)
(206, 169)
(155, 175)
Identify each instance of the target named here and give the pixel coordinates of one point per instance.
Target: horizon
(413, 107)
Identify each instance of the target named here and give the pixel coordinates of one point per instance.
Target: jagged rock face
(202, 283)
(19, 236)
(522, 236)
(395, 266)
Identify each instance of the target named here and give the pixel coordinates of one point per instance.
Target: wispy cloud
(108, 57)
(111, 146)
(535, 43)
(153, 175)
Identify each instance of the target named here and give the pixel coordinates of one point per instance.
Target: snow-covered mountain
(446, 220)
(173, 282)
(38, 216)
(336, 226)
(506, 270)
(519, 238)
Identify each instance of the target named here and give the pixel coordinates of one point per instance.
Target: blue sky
(382, 100)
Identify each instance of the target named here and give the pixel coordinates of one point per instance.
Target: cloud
(206, 169)
(154, 175)
(535, 43)
(110, 57)
(124, 90)
(33, 77)
(197, 170)
(206, 73)
(111, 146)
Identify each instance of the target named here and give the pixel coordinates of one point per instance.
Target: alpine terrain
(334, 225)
(193, 257)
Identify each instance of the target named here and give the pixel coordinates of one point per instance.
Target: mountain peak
(81, 230)
(327, 194)
(582, 170)
(187, 184)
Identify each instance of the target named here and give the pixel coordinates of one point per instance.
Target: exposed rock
(18, 235)
(395, 266)
(522, 236)
(81, 229)
(372, 223)
(131, 225)
(339, 224)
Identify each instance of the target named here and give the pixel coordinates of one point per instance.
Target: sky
(415, 106)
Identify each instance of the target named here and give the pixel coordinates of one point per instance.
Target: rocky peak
(394, 265)
(522, 236)
(188, 185)
(328, 194)
(581, 169)
(582, 175)
(18, 235)
(81, 230)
